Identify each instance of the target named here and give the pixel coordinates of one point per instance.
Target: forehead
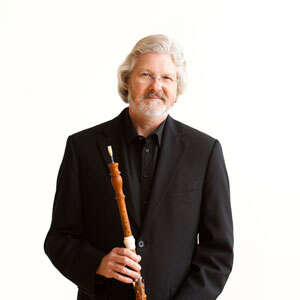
(155, 62)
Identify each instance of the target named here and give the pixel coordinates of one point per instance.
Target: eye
(145, 74)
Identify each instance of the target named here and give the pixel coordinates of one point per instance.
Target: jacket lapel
(172, 150)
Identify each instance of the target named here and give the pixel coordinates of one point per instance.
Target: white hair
(152, 43)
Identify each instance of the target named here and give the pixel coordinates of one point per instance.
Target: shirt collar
(131, 133)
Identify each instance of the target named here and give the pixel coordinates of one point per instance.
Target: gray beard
(149, 110)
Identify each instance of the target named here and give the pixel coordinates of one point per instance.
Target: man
(176, 187)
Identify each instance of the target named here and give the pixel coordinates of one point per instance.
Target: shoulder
(91, 131)
(192, 134)
(105, 128)
(197, 140)
(91, 134)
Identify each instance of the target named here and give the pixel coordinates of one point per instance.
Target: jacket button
(141, 244)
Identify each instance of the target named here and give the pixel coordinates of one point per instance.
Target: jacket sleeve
(212, 261)
(65, 245)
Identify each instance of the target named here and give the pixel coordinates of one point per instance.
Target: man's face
(152, 85)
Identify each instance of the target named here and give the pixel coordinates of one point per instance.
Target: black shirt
(142, 154)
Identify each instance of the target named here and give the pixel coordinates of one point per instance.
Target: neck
(145, 125)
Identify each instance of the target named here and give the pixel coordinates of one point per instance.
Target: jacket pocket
(184, 187)
(183, 191)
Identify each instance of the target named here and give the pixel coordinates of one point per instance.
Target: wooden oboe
(129, 241)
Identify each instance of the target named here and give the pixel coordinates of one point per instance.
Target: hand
(114, 264)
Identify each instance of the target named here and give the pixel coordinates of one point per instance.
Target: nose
(156, 84)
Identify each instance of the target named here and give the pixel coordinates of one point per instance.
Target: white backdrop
(58, 62)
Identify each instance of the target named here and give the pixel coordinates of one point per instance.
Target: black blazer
(186, 238)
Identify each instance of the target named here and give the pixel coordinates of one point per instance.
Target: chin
(150, 108)
(152, 111)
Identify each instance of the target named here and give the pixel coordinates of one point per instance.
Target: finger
(129, 253)
(126, 271)
(120, 277)
(124, 260)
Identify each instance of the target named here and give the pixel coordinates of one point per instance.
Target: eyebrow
(163, 74)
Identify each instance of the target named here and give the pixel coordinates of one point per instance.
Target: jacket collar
(131, 132)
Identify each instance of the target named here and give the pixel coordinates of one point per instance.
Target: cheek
(171, 93)
(138, 89)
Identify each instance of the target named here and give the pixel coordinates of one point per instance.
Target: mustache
(152, 94)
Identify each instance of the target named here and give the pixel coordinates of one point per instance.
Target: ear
(126, 81)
